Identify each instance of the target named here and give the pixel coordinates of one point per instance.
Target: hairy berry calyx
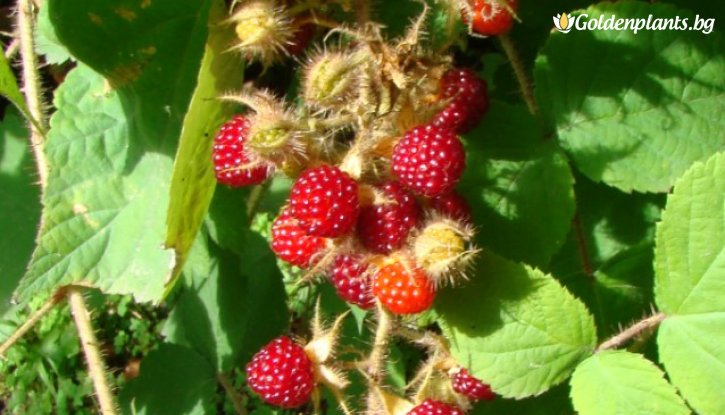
(263, 30)
(329, 80)
(270, 140)
(441, 250)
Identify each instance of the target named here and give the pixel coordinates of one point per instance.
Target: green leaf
(444, 26)
(102, 224)
(691, 349)
(623, 383)
(9, 87)
(619, 292)
(19, 204)
(276, 196)
(173, 380)
(110, 147)
(529, 35)
(634, 110)
(689, 285)
(615, 232)
(227, 220)
(396, 16)
(128, 40)
(614, 221)
(46, 41)
(703, 8)
(193, 182)
(395, 368)
(265, 410)
(150, 52)
(690, 255)
(555, 401)
(217, 313)
(520, 188)
(516, 328)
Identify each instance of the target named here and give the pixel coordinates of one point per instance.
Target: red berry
(465, 384)
(493, 17)
(292, 244)
(349, 275)
(403, 288)
(452, 205)
(433, 407)
(469, 100)
(232, 163)
(429, 160)
(281, 373)
(384, 227)
(324, 200)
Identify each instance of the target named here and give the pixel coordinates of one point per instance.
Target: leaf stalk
(32, 88)
(89, 343)
(632, 331)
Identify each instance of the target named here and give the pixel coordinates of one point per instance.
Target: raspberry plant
(408, 207)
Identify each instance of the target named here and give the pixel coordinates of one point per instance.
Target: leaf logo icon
(563, 23)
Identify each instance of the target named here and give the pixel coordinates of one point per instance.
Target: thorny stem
(527, 90)
(439, 358)
(96, 368)
(582, 245)
(235, 397)
(632, 331)
(56, 298)
(331, 123)
(318, 269)
(411, 334)
(31, 87)
(424, 380)
(340, 398)
(376, 360)
(428, 339)
(641, 341)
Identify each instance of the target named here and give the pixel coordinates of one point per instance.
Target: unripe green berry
(441, 249)
(266, 141)
(263, 30)
(330, 79)
(438, 246)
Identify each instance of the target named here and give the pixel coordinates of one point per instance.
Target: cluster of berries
(373, 239)
(375, 154)
(285, 374)
(394, 239)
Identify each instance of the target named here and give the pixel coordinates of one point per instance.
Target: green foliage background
(607, 204)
